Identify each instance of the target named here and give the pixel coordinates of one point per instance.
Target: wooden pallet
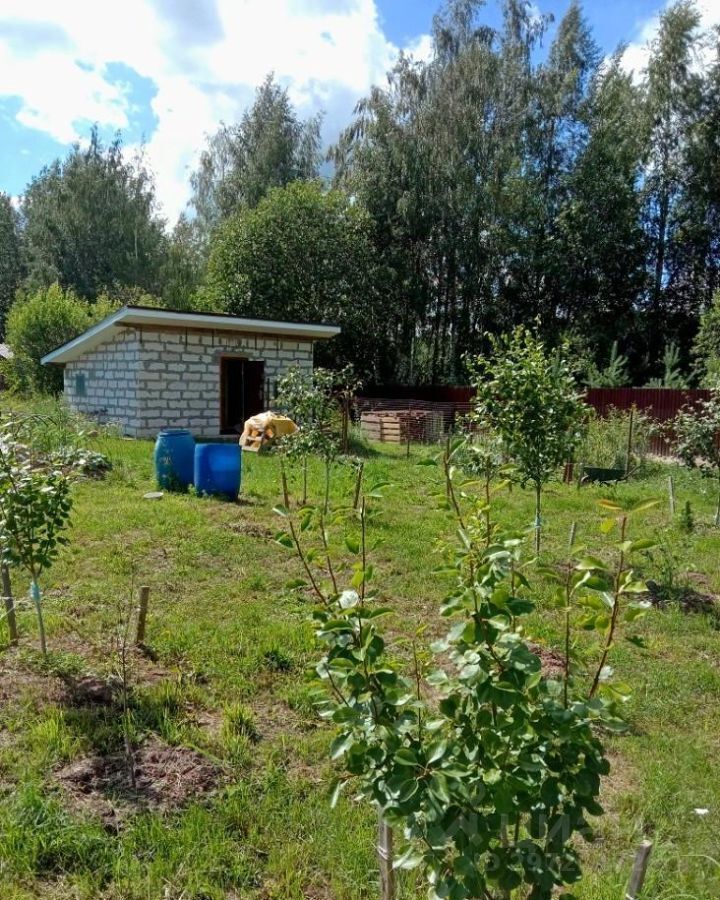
(398, 426)
(253, 440)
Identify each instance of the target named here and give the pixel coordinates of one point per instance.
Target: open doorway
(241, 392)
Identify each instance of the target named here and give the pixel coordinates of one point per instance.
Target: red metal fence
(660, 404)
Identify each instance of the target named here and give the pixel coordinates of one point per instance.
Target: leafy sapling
(310, 401)
(35, 506)
(371, 705)
(528, 397)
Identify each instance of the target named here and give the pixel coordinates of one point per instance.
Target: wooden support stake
(637, 876)
(9, 604)
(573, 534)
(385, 859)
(142, 615)
(630, 440)
(671, 496)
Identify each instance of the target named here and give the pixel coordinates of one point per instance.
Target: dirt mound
(690, 600)
(165, 778)
(551, 663)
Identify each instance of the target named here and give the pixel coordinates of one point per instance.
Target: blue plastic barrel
(217, 469)
(174, 459)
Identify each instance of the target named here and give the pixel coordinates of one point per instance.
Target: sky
(165, 73)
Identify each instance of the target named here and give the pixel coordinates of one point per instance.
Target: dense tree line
(506, 185)
(504, 181)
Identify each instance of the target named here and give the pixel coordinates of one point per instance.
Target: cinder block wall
(147, 379)
(179, 374)
(103, 383)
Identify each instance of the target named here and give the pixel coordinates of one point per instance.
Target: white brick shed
(147, 369)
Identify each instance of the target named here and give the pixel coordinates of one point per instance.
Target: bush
(706, 348)
(605, 441)
(37, 324)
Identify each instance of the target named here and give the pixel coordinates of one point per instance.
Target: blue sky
(166, 72)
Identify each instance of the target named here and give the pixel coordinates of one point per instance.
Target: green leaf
(520, 606)
(643, 544)
(405, 757)
(353, 544)
(436, 751)
(337, 789)
(281, 510)
(341, 745)
(284, 539)
(590, 562)
(410, 859)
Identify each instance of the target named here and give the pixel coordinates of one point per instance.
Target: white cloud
(421, 48)
(637, 53)
(205, 61)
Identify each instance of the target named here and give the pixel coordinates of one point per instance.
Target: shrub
(605, 441)
(37, 324)
(697, 445)
(706, 348)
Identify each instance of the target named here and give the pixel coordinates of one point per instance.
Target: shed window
(80, 386)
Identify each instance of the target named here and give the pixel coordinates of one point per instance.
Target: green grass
(231, 647)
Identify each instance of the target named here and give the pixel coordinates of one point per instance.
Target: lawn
(223, 680)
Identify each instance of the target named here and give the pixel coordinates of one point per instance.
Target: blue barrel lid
(174, 432)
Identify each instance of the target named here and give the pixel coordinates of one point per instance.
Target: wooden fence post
(385, 859)
(142, 615)
(9, 603)
(637, 876)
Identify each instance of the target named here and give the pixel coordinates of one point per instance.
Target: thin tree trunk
(385, 859)
(9, 603)
(538, 490)
(37, 600)
(358, 485)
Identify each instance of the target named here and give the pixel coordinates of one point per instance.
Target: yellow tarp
(265, 427)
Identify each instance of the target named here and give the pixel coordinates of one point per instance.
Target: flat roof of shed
(148, 315)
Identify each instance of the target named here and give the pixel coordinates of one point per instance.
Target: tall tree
(183, 266)
(90, 222)
(673, 93)
(270, 147)
(694, 255)
(305, 255)
(506, 182)
(11, 263)
(600, 264)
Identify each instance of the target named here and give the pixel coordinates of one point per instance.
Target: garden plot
(227, 698)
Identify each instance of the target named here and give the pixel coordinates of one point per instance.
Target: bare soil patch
(165, 778)
(551, 663)
(690, 600)
(252, 529)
